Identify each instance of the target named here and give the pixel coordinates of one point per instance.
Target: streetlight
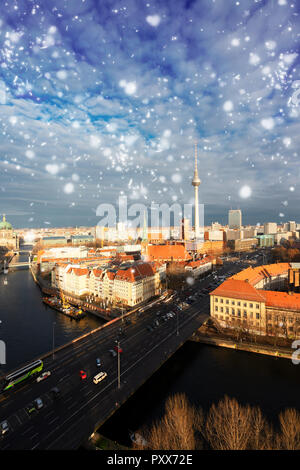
(119, 382)
(53, 325)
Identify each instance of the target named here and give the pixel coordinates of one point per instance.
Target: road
(67, 421)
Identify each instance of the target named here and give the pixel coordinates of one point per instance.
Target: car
(99, 377)
(82, 374)
(44, 376)
(55, 392)
(98, 362)
(113, 353)
(119, 350)
(38, 403)
(30, 408)
(4, 427)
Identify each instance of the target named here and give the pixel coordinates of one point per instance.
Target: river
(204, 373)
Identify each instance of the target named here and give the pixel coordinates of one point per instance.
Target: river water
(204, 373)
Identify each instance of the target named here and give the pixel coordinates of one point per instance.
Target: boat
(64, 308)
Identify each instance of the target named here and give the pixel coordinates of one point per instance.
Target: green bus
(22, 374)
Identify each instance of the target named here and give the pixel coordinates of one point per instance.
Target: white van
(99, 377)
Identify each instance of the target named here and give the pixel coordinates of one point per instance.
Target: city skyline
(100, 101)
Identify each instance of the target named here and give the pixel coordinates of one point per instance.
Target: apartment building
(249, 301)
(129, 284)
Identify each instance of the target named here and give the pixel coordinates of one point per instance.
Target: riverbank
(267, 350)
(73, 300)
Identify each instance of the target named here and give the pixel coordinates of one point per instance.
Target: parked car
(119, 350)
(98, 362)
(113, 353)
(82, 374)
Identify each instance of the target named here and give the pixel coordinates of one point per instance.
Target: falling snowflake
(228, 106)
(69, 188)
(153, 20)
(245, 192)
(268, 123)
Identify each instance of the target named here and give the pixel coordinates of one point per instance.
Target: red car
(82, 374)
(120, 349)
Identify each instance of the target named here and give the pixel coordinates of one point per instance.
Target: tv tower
(196, 183)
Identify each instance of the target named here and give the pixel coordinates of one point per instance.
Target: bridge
(82, 407)
(18, 264)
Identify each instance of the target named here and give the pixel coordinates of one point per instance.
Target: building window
(257, 316)
(216, 309)
(257, 305)
(251, 305)
(216, 299)
(233, 302)
(245, 314)
(227, 301)
(233, 311)
(239, 313)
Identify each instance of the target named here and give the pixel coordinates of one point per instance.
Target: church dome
(5, 225)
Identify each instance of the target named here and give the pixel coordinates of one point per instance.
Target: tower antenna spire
(196, 183)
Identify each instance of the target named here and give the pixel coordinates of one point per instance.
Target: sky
(101, 99)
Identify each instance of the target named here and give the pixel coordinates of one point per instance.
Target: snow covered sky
(101, 98)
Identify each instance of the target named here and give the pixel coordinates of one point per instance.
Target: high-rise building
(270, 228)
(292, 226)
(235, 218)
(196, 183)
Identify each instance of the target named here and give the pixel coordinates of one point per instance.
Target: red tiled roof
(254, 275)
(238, 290)
(168, 252)
(136, 272)
(282, 300)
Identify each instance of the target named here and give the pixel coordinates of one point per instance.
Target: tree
(289, 437)
(177, 428)
(228, 425)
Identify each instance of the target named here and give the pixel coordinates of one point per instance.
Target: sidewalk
(267, 350)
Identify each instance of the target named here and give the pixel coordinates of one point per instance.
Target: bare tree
(289, 437)
(177, 428)
(262, 434)
(228, 425)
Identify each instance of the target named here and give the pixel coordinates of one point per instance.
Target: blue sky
(104, 98)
